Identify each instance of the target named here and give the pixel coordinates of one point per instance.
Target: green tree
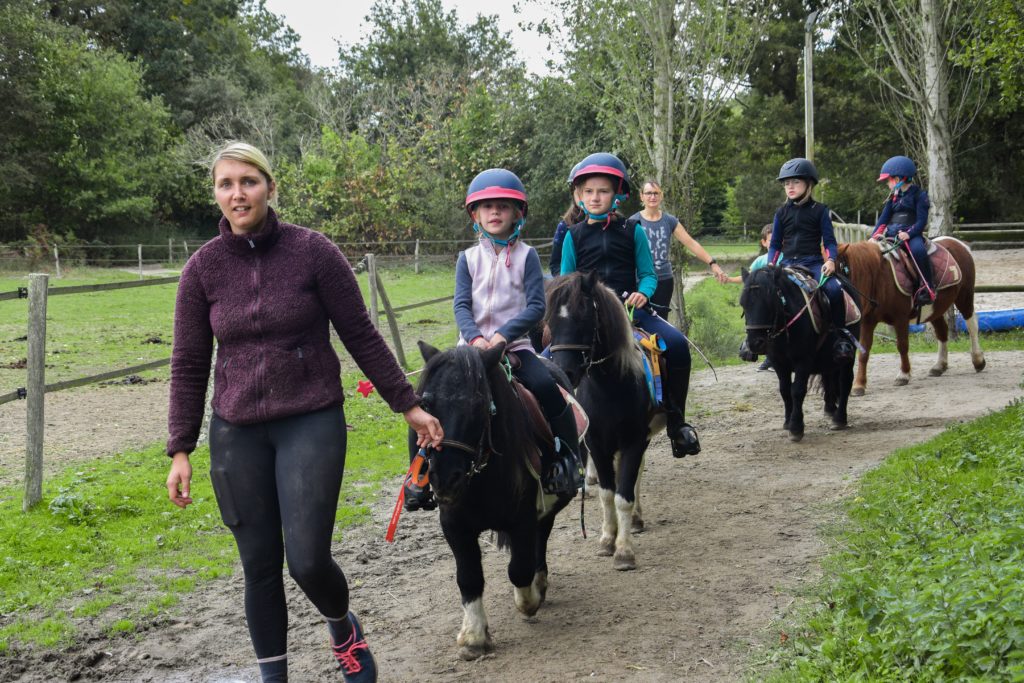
(88, 153)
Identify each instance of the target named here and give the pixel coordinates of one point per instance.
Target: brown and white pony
(882, 301)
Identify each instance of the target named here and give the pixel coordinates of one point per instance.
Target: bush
(714, 314)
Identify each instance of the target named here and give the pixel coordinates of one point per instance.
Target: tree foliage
(106, 108)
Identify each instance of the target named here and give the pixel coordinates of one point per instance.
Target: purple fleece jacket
(268, 299)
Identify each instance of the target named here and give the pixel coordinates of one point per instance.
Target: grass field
(924, 580)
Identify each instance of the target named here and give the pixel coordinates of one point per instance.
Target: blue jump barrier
(989, 321)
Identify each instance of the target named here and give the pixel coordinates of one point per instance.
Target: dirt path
(732, 536)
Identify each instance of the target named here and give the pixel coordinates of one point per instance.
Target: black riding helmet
(798, 168)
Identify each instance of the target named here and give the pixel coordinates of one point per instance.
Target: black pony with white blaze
(592, 341)
(482, 481)
(779, 326)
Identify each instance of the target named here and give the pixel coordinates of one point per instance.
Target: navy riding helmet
(898, 167)
(799, 168)
(497, 183)
(605, 164)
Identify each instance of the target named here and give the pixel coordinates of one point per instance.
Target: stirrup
(565, 474)
(418, 498)
(684, 441)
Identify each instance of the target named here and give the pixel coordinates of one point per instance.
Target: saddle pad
(808, 288)
(651, 348)
(582, 420)
(945, 270)
(538, 424)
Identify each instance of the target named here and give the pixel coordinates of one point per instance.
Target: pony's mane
(615, 333)
(511, 431)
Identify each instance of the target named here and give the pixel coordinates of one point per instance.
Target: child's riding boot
(564, 472)
(681, 435)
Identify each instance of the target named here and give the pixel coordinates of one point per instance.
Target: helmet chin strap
(504, 243)
(619, 198)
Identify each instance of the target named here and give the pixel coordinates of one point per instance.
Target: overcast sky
(323, 25)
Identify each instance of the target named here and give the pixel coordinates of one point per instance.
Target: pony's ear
(590, 281)
(744, 274)
(492, 355)
(426, 350)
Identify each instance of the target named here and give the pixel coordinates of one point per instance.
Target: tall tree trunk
(663, 33)
(937, 130)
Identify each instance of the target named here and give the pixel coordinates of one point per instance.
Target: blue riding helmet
(799, 168)
(609, 165)
(602, 163)
(497, 183)
(898, 167)
(572, 173)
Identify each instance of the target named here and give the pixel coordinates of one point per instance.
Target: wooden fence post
(170, 250)
(140, 261)
(371, 270)
(184, 244)
(392, 322)
(56, 260)
(36, 388)
(416, 259)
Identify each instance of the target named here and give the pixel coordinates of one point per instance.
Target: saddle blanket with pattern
(816, 305)
(945, 270)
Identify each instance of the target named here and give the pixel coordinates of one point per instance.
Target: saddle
(539, 426)
(817, 303)
(543, 436)
(651, 348)
(945, 270)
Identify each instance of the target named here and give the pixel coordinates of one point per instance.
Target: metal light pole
(809, 85)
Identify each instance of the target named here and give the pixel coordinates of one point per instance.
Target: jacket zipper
(254, 315)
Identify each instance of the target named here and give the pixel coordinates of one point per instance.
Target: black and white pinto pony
(592, 341)
(779, 326)
(482, 481)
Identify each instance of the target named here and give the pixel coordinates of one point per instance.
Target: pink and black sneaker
(354, 659)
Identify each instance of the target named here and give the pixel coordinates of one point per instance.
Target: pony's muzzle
(757, 341)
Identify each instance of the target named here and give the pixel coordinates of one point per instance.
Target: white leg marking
(977, 357)
(942, 361)
(609, 525)
(625, 557)
(527, 598)
(474, 626)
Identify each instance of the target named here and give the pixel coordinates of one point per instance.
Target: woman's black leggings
(277, 485)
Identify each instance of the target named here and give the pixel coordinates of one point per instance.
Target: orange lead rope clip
(418, 475)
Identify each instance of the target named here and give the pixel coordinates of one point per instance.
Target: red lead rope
(416, 475)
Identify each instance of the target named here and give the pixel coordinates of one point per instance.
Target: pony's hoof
(607, 548)
(540, 582)
(624, 561)
(637, 526)
(901, 382)
(469, 653)
(838, 426)
(796, 436)
(936, 371)
(527, 599)
(979, 366)
(857, 391)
